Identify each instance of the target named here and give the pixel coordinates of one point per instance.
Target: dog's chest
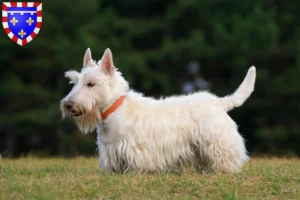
(105, 127)
(109, 133)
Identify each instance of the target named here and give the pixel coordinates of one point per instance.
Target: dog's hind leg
(226, 155)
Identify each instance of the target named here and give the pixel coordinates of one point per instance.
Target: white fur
(146, 134)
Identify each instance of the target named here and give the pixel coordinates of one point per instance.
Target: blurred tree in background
(153, 41)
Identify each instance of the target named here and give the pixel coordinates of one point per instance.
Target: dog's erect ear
(107, 62)
(87, 57)
(73, 76)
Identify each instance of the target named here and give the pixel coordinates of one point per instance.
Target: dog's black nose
(69, 105)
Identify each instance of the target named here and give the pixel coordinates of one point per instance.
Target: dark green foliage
(152, 43)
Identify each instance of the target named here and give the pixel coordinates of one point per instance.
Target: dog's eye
(90, 84)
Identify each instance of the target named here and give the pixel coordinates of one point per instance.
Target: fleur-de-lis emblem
(29, 21)
(22, 33)
(14, 21)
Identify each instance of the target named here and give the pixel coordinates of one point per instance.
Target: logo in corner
(22, 21)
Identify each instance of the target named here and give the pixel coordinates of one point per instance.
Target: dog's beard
(88, 121)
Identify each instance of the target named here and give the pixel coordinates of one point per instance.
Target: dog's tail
(242, 93)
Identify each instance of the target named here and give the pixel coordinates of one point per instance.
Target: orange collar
(113, 107)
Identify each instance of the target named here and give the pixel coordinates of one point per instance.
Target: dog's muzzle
(70, 106)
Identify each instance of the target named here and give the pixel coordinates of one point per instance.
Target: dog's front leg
(99, 147)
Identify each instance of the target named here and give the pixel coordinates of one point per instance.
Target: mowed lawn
(79, 178)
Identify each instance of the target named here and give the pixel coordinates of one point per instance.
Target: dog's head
(95, 88)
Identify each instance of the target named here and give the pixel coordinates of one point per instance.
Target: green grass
(57, 178)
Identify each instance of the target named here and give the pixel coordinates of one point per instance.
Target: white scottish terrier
(144, 134)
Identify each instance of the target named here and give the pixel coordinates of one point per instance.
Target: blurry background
(162, 47)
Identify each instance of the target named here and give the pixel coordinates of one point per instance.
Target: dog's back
(202, 98)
